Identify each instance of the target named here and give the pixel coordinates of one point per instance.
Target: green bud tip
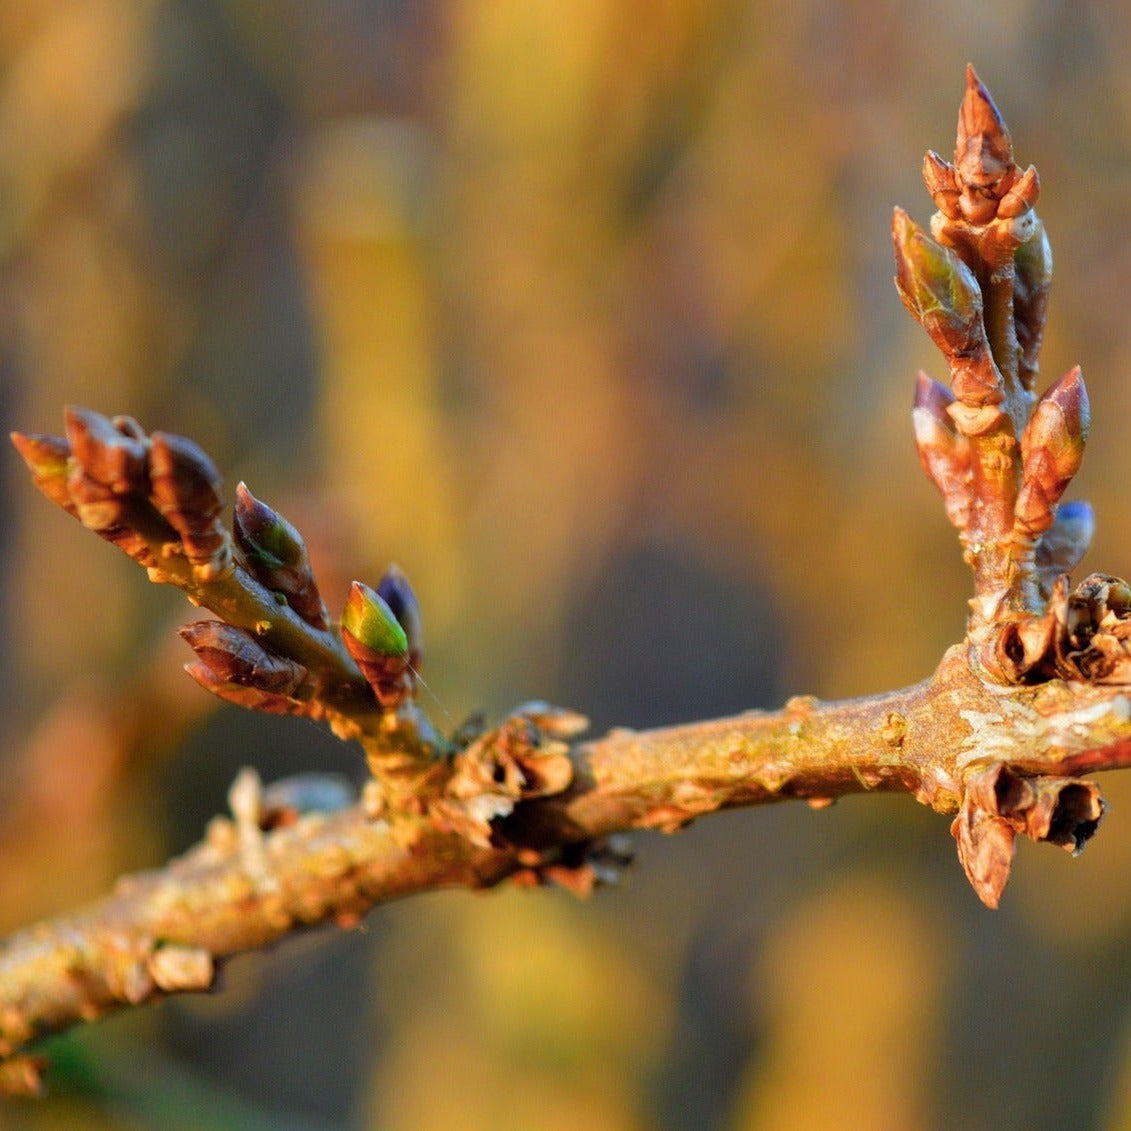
(265, 534)
(369, 620)
(932, 280)
(397, 593)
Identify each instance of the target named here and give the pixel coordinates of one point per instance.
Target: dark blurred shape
(662, 638)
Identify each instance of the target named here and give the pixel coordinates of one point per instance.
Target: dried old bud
(112, 456)
(944, 454)
(235, 656)
(186, 490)
(514, 762)
(1099, 602)
(1052, 447)
(394, 589)
(985, 848)
(378, 644)
(46, 458)
(276, 555)
(999, 803)
(1064, 543)
(942, 294)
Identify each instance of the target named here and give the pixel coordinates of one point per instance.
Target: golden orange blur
(582, 313)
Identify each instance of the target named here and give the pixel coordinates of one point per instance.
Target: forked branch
(1038, 694)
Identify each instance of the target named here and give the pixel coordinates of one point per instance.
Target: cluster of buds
(978, 284)
(274, 648)
(1002, 458)
(146, 494)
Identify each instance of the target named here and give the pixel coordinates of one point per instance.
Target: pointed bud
(1064, 544)
(371, 622)
(46, 458)
(983, 153)
(235, 656)
(1052, 447)
(1032, 280)
(276, 555)
(984, 836)
(375, 639)
(397, 593)
(938, 289)
(250, 698)
(944, 454)
(106, 454)
(938, 176)
(1022, 195)
(185, 487)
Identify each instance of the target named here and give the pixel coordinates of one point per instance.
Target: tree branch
(1038, 694)
(246, 886)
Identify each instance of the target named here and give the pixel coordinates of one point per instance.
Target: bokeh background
(582, 312)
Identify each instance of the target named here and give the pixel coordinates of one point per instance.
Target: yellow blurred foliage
(506, 291)
(850, 982)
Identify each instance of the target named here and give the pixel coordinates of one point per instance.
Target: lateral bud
(1032, 280)
(394, 589)
(938, 176)
(1052, 447)
(235, 656)
(1022, 195)
(1064, 544)
(984, 838)
(250, 698)
(943, 296)
(185, 487)
(276, 555)
(944, 454)
(375, 639)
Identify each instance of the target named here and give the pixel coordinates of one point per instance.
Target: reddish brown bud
(983, 153)
(938, 176)
(235, 656)
(107, 454)
(250, 698)
(186, 490)
(46, 458)
(944, 454)
(983, 834)
(1052, 447)
(1022, 196)
(276, 555)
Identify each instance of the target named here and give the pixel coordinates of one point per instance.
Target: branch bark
(1015, 750)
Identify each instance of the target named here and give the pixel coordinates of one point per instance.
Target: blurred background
(582, 313)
